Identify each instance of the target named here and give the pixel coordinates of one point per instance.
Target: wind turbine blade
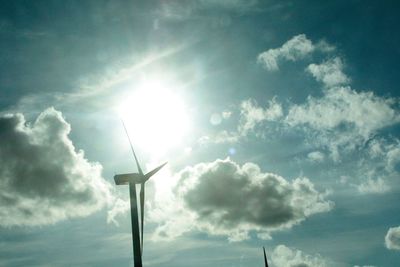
(141, 213)
(265, 258)
(151, 173)
(133, 151)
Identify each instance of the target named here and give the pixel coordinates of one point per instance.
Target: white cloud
(343, 179)
(43, 179)
(374, 186)
(120, 207)
(316, 156)
(325, 47)
(296, 48)
(363, 111)
(226, 137)
(392, 238)
(343, 116)
(223, 198)
(226, 114)
(229, 4)
(330, 72)
(376, 171)
(375, 148)
(183, 10)
(393, 156)
(252, 114)
(387, 151)
(175, 10)
(220, 137)
(283, 256)
(341, 121)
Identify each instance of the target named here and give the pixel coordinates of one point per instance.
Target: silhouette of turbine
(265, 258)
(133, 179)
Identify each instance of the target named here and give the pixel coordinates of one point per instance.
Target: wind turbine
(133, 179)
(265, 258)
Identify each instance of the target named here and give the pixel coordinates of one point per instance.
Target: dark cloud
(224, 198)
(43, 179)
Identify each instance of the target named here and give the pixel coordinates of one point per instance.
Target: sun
(155, 116)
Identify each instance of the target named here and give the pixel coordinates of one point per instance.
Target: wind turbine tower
(132, 179)
(265, 258)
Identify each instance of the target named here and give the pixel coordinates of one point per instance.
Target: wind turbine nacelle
(122, 179)
(136, 178)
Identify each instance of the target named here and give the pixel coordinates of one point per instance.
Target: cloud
(220, 138)
(223, 198)
(344, 116)
(386, 150)
(239, 5)
(374, 186)
(43, 179)
(393, 156)
(183, 10)
(226, 114)
(392, 238)
(341, 120)
(296, 48)
(375, 171)
(251, 114)
(120, 207)
(316, 156)
(330, 72)
(362, 111)
(341, 116)
(284, 256)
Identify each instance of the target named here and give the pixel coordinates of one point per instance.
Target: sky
(279, 120)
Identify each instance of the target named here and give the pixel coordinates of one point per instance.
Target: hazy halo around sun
(155, 116)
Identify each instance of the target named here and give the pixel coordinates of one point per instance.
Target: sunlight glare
(155, 117)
